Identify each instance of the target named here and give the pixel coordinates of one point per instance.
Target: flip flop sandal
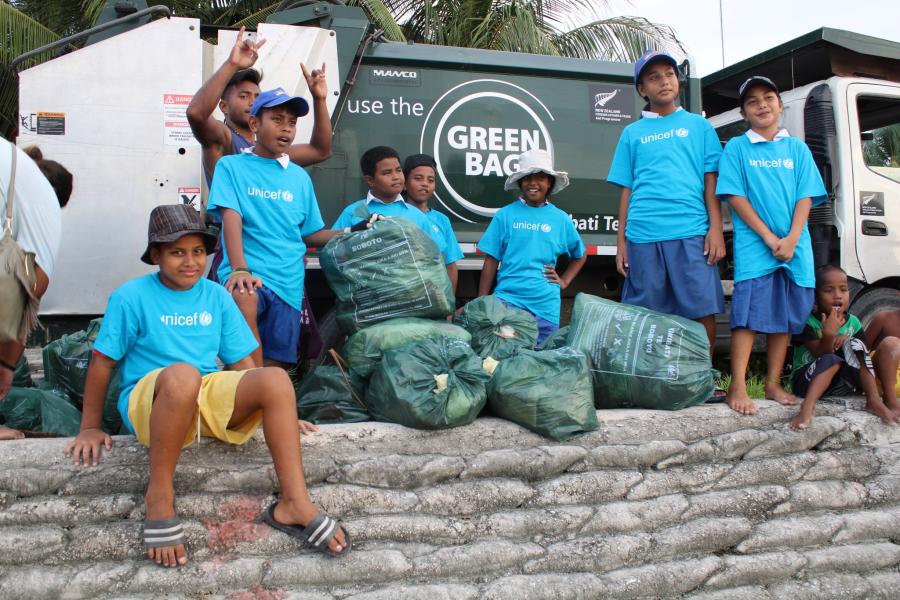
(164, 533)
(317, 534)
(718, 395)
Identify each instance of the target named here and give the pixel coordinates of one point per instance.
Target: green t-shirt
(813, 331)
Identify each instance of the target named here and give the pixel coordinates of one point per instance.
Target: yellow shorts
(878, 381)
(216, 404)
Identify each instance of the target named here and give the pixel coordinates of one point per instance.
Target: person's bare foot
(740, 402)
(10, 434)
(877, 408)
(804, 417)
(302, 513)
(160, 507)
(893, 406)
(775, 392)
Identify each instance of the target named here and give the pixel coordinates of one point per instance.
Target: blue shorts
(672, 277)
(279, 326)
(844, 382)
(545, 328)
(772, 303)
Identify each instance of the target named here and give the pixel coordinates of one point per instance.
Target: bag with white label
(393, 269)
(498, 329)
(640, 358)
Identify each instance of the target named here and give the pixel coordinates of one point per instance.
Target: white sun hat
(537, 161)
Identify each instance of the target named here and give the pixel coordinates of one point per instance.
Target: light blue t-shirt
(452, 251)
(276, 201)
(148, 326)
(524, 239)
(773, 176)
(663, 160)
(398, 208)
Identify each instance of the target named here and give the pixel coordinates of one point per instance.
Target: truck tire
(871, 302)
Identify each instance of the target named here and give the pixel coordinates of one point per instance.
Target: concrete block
(747, 592)
(751, 502)
(725, 447)
(787, 441)
(358, 567)
(585, 488)
(845, 438)
(884, 585)
(473, 496)
(640, 515)
(549, 586)
(345, 501)
(197, 577)
(30, 544)
(782, 470)
(756, 569)
(688, 479)
(823, 495)
(796, 532)
(24, 482)
(843, 586)
(258, 479)
(70, 581)
(68, 510)
(593, 554)
(411, 528)
(883, 489)
(632, 456)
(106, 479)
(699, 536)
(533, 524)
(889, 457)
(475, 560)
(869, 525)
(854, 464)
(855, 557)
(663, 580)
(403, 471)
(531, 464)
(420, 592)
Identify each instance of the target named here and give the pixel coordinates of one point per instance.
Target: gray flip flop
(163, 533)
(317, 534)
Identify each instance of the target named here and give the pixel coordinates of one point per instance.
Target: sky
(753, 26)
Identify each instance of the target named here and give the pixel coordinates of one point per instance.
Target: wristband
(6, 365)
(235, 271)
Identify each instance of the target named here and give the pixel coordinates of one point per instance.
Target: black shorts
(844, 382)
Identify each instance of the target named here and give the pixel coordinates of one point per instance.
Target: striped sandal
(163, 533)
(317, 534)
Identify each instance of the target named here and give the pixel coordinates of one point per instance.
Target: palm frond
(617, 38)
(382, 17)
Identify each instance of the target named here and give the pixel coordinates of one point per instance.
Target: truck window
(726, 132)
(879, 122)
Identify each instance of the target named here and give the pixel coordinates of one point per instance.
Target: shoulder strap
(11, 190)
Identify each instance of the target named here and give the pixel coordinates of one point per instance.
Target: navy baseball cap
(278, 97)
(649, 57)
(756, 80)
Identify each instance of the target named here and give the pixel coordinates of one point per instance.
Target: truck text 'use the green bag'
(641, 358)
(390, 270)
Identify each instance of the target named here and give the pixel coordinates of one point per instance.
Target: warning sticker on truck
(44, 123)
(871, 204)
(612, 104)
(175, 123)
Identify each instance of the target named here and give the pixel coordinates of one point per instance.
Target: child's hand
(553, 277)
(714, 247)
(242, 282)
(839, 341)
(621, 258)
(771, 241)
(245, 51)
(784, 249)
(85, 448)
(318, 87)
(306, 426)
(832, 322)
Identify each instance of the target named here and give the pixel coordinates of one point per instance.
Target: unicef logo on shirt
(788, 163)
(545, 227)
(682, 132)
(288, 196)
(205, 319)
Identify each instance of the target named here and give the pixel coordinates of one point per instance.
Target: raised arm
(319, 146)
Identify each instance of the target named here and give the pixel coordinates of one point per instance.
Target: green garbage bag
(431, 384)
(498, 330)
(641, 358)
(546, 391)
(59, 415)
(365, 348)
(555, 340)
(324, 397)
(40, 410)
(22, 374)
(65, 369)
(391, 270)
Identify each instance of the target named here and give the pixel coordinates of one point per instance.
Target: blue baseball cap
(755, 80)
(649, 57)
(277, 97)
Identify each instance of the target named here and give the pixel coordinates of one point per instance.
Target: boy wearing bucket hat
(670, 222)
(269, 213)
(165, 331)
(526, 238)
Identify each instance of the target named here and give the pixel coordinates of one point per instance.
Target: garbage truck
(113, 112)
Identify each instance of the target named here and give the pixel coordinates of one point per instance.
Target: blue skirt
(772, 303)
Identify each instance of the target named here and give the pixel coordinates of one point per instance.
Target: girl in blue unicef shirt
(670, 221)
(771, 182)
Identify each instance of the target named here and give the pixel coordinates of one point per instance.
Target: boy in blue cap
(165, 330)
(269, 214)
(670, 220)
(771, 182)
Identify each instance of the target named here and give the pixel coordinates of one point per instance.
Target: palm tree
(557, 27)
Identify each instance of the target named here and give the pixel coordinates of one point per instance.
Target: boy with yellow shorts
(165, 331)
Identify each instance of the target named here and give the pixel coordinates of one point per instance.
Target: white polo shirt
(37, 220)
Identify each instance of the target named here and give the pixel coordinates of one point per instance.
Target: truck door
(874, 120)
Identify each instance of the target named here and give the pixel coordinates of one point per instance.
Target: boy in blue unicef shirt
(165, 331)
(269, 214)
(526, 238)
(771, 181)
(419, 172)
(670, 221)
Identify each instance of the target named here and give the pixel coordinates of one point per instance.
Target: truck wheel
(870, 303)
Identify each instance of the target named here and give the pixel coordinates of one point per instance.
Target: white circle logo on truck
(476, 132)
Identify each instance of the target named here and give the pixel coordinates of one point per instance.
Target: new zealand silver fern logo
(601, 100)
